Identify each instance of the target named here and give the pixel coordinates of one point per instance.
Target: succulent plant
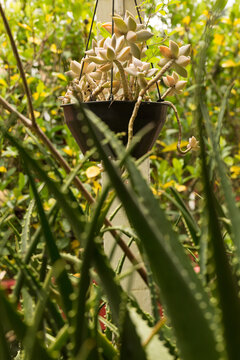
(116, 66)
(174, 84)
(179, 57)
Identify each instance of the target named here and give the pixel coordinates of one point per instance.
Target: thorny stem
(27, 122)
(20, 66)
(123, 78)
(140, 97)
(182, 152)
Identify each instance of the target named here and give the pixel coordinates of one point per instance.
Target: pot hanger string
(89, 37)
(140, 20)
(111, 89)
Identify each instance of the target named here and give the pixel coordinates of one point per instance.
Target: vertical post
(133, 284)
(104, 11)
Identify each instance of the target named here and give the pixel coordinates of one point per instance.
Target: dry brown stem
(140, 98)
(20, 66)
(182, 152)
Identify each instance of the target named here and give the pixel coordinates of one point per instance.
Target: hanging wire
(111, 89)
(89, 36)
(140, 20)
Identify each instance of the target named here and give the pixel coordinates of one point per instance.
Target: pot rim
(118, 101)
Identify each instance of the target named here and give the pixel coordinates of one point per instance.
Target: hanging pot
(116, 115)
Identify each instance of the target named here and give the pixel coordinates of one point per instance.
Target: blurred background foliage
(51, 33)
(48, 35)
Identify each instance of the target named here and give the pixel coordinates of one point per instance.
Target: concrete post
(133, 284)
(104, 10)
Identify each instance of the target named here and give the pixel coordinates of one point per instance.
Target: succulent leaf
(103, 54)
(163, 62)
(111, 53)
(105, 67)
(180, 85)
(124, 54)
(108, 26)
(183, 60)
(180, 70)
(165, 51)
(142, 82)
(185, 50)
(71, 74)
(136, 52)
(175, 75)
(171, 80)
(144, 35)
(95, 59)
(120, 44)
(131, 36)
(90, 52)
(75, 66)
(165, 80)
(131, 24)
(96, 75)
(114, 41)
(120, 24)
(131, 70)
(174, 48)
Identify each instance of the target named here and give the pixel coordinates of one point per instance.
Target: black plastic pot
(116, 115)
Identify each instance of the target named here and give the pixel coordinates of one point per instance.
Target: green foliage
(51, 238)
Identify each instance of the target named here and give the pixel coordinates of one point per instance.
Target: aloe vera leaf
(156, 348)
(226, 282)
(12, 320)
(92, 230)
(63, 281)
(71, 209)
(4, 347)
(130, 342)
(169, 263)
(189, 219)
(222, 112)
